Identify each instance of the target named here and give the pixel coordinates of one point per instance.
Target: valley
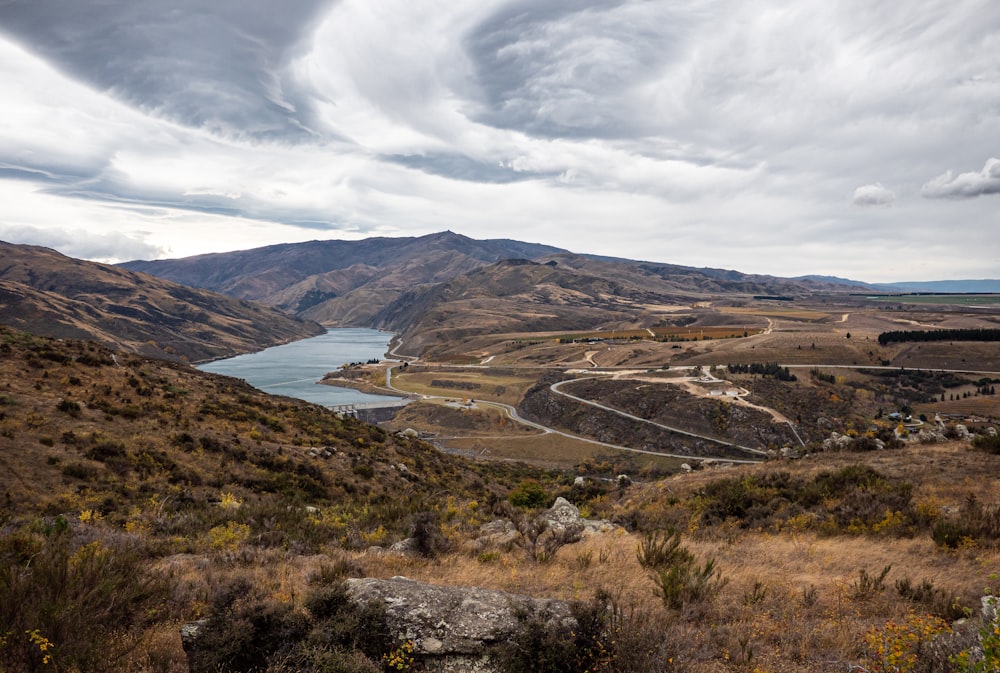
(754, 479)
(831, 351)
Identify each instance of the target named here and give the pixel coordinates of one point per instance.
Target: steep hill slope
(83, 427)
(47, 293)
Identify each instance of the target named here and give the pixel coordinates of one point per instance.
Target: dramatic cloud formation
(720, 133)
(875, 195)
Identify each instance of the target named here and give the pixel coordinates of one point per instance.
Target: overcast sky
(852, 138)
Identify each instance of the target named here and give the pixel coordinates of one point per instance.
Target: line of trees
(764, 369)
(939, 335)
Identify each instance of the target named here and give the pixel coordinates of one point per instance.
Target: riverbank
(337, 381)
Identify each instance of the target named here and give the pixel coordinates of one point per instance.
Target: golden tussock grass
(792, 601)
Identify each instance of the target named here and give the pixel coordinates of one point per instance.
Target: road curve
(512, 414)
(555, 388)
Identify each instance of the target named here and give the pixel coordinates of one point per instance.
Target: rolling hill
(49, 294)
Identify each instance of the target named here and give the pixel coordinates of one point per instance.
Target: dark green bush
(975, 522)
(425, 531)
(689, 583)
(87, 600)
(854, 498)
(247, 633)
(244, 632)
(543, 644)
(529, 494)
(69, 407)
(660, 549)
(869, 586)
(80, 471)
(987, 443)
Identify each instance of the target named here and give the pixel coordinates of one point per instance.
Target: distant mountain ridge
(986, 285)
(49, 294)
(441, 287)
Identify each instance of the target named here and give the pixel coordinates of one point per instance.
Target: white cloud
(965, 185)
(873, 196)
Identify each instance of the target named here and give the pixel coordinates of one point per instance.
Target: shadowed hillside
(47, 293)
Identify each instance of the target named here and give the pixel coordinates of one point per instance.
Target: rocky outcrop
(452, 628)
(561, 522)
(564, 515)
(445, 629)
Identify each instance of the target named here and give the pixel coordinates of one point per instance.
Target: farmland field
(952, 299)
(777, 312)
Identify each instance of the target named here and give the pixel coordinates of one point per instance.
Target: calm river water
(294, 369)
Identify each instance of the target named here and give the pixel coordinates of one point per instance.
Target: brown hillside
(44, 292)
(83, 427)
(467, 284)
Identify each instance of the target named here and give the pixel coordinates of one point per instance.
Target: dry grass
(553, 450)
(807, 617)
(790, 603)
(483, 384)
(777, 312)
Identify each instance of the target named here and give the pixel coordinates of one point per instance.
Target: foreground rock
(452, 628)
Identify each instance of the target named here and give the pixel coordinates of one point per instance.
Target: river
(293, 369)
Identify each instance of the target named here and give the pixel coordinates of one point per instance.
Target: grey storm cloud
(965, 185)
(215, 65)
(558, 69)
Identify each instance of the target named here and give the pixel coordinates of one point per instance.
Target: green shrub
(425, 531)
(933, 599)
(684, 584)
(69, 407)
(80, 471)
(869, 586)
(658, 549)
(529, 494)
(975, 522)
(79, 604)
(244, 632)
(987, 443)
(341, 624)
(679, 580)
(543, 644)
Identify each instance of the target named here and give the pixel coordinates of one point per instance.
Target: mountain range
(431, 289)
(445, 285)
(968, 286)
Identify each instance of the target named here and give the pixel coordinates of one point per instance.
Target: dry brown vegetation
(177, 486)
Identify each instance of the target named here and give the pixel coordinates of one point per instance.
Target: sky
(854, 138)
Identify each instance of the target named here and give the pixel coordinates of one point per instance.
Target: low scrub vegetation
(216, 503)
